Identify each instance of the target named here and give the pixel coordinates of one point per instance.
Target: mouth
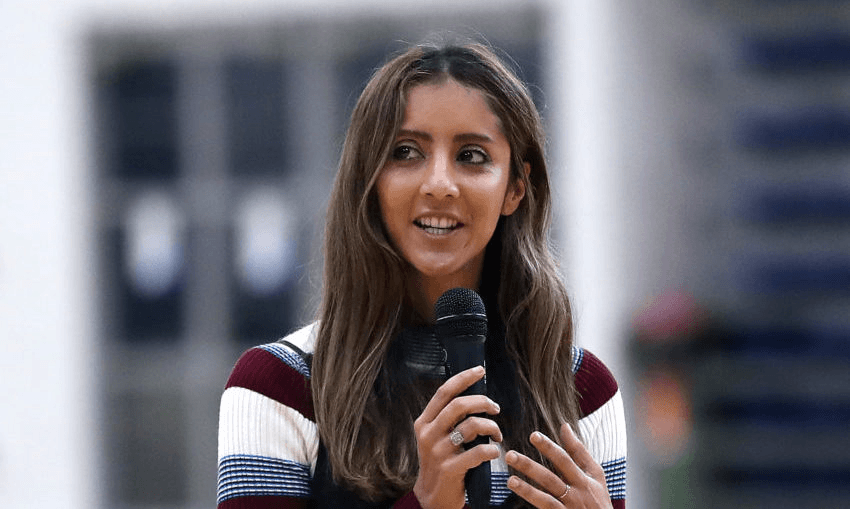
(437, 225)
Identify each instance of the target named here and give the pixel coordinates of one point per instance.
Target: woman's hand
(578, 483)
(443, 464)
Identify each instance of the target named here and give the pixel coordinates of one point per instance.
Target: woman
(442, 183)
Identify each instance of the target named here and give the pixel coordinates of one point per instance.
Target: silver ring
(456, 437)
(566, 490)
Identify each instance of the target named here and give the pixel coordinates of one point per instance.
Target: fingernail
(510, 457)
(536, 436)
(513, 482)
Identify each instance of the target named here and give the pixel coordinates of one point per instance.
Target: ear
(515, 193)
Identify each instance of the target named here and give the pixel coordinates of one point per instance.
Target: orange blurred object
(667, 420)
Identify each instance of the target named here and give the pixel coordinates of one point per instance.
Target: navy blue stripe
(244, 475)
(578, 356)
(289, 357)
(615, 478)
(499, 487)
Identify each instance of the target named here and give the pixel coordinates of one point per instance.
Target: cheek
(489, 205)
(390, 202)
(383, 189)
(499, 199)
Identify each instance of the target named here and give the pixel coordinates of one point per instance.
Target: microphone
(461, 327)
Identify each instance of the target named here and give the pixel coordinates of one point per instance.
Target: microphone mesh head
(461, 312)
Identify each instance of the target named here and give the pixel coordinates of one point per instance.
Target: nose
(439, 179)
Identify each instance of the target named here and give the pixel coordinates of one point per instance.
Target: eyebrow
(462, 137)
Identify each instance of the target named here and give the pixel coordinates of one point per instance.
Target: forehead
(447, 104)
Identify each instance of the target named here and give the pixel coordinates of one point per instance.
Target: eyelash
(405, 152)
(409, 149)
(475, 151)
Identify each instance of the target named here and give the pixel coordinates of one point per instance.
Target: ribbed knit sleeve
(603, 423)
(268, 441)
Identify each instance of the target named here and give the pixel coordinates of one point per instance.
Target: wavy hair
(364, 299)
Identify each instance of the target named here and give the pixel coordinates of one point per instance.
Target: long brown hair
(364, 296)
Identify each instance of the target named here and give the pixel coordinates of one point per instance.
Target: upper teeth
(437, 222)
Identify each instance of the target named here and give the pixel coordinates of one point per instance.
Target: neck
(425, 291)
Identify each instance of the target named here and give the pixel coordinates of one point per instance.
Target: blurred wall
(609, 81)
(47, 408)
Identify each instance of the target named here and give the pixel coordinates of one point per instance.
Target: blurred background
(164, 169)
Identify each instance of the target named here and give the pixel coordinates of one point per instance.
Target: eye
(405, 153)
(473, 155)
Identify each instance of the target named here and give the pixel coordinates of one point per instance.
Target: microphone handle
(462, 355)
(477, 480)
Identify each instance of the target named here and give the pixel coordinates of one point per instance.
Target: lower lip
(440, 232)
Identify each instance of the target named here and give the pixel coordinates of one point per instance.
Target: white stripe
(256, 425)
(499, 464)
(305, 337)
(604, 431)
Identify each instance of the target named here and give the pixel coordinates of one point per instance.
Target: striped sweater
(268, 443)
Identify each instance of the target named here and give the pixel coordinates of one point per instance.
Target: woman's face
(446, 183)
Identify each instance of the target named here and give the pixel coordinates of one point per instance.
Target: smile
(437, 225)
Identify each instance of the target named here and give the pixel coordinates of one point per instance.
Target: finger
(456, 416)
(474, 427)
(544, 478)
(580, 454)
(473, 457)
(436, 436)
(532, 495)
(462, 406)
(445, 448)
(559, 457)
(450, 390)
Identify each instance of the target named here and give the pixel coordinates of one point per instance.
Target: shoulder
(279, 355)
(304, 338)
(267, 437)
(594, 382)
(278, 371)
(602, 423)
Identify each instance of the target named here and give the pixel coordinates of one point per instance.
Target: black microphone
(461, 327)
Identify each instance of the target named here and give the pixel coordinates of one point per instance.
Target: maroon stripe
(262, 372)
(263, 502)
(619, 503)
(409, 501)
(594, 383)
